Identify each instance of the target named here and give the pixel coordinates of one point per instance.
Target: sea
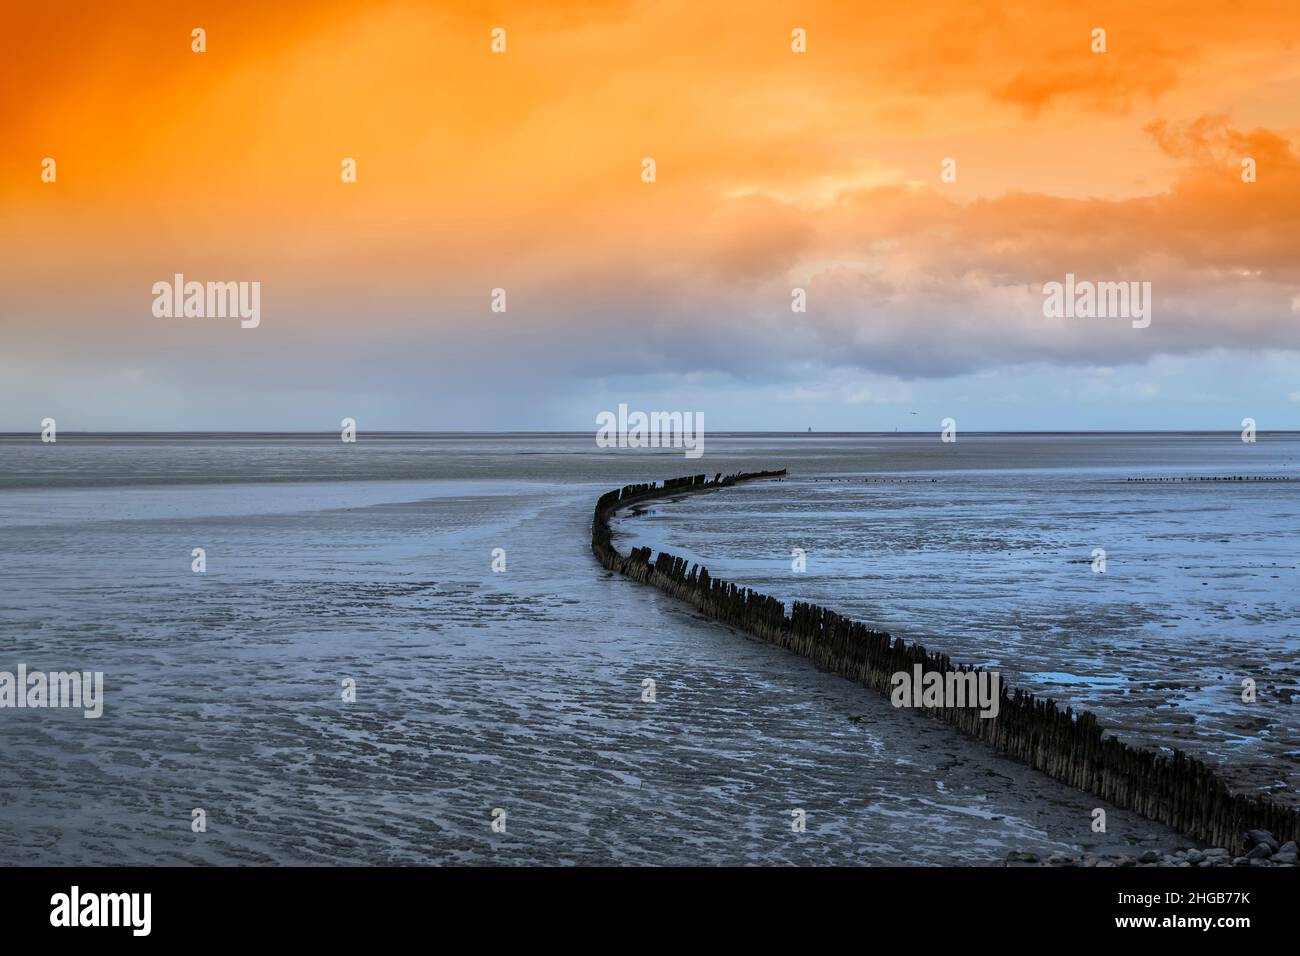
(401, 650)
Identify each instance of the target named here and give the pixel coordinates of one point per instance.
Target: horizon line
(395, 432)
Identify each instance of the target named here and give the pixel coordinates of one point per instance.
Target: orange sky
(774, 169)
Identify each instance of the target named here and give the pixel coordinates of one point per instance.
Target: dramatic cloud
(776, 170)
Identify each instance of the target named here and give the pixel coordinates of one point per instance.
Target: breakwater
(1174, 789)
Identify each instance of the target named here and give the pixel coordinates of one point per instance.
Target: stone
(1260, 851)
(1258, 837)
(1149, 856)
(1195, 856)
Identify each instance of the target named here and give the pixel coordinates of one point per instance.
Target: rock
(1217, 851)
(1184, 863)
(1259, 861)
(1060, 859)
(1260, 851)
(1019, 856)
(1127, 861)
(1288, 847)
(1105, 863)
(1195, 856)
(1149, 856)
(1240, 861)
(1261, 837)
(1285, 857)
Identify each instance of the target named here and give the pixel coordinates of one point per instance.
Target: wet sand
(1199, 591)
(475, 690)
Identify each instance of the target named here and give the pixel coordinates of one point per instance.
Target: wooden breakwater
(1177, 790)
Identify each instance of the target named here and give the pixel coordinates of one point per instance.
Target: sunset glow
(775, 170)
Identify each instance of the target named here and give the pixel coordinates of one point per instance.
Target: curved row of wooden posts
(1179, 791)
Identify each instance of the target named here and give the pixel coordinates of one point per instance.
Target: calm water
(522, 690)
